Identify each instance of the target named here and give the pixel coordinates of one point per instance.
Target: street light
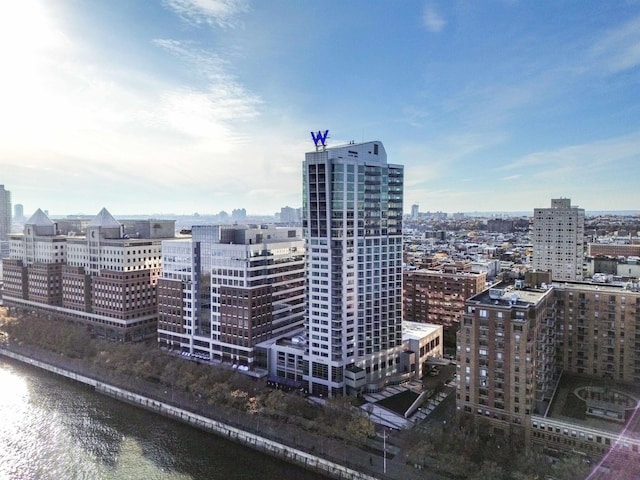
(384, 450)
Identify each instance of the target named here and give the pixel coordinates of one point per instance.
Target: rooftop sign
(320, 139)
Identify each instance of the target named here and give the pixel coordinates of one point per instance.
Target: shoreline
(284, 452)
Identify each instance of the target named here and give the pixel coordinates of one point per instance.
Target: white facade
(422, 342)
(39, 243)
(558, 237)
(353, 231)
(118, 256)
(236, 286)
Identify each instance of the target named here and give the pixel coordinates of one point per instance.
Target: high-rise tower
(352, 210)
(5, 221)
(558, 236)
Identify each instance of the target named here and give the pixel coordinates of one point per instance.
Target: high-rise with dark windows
(352, 211)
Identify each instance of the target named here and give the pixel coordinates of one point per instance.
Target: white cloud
(211, 12)
(443, 160)
(588, 157)
(432, 19)
(133, 141)
(619, 49)
(207, 112)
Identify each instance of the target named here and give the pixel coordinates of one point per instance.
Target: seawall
(242, 437)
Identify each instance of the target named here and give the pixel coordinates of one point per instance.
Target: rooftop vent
(496, 293)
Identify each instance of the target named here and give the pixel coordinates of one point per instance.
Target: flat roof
(506, 295)
(595, 286)
(567, 406)
(417, 330)
(433, 272)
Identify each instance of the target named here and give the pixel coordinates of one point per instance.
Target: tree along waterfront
(53, 428)
(336, 430)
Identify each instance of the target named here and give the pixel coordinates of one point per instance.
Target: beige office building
(105, 280)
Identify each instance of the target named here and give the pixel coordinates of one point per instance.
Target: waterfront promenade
(328, 456)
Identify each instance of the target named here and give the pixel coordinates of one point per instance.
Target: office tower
(179, 296)
(18, 212)
(558, 236)
(5, 221)
(229, 288)
(352, 221)
(415, 211)
(105, 280)
(257, 289)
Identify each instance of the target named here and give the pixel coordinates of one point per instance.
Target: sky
(183, 106)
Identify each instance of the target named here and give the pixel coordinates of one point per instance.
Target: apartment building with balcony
(352, 220)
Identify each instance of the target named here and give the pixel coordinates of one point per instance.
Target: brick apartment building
(556, 364)
(438, 297)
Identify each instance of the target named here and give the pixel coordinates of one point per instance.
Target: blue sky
(182, 106)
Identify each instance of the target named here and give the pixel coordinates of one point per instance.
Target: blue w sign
(320, 137)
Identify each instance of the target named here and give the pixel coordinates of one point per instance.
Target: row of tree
(222, 387)
(470, 449)
(465, 449)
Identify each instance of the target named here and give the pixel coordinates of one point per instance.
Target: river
(55, 429)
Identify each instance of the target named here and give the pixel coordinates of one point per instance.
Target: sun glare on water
(13, 393)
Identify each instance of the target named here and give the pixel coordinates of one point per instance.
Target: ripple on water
(54, 429)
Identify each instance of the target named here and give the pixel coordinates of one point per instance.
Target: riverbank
(299, 447)
(237, 435)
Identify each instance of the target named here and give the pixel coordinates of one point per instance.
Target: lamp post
(384, 451)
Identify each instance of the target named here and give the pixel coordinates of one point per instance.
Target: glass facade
(352, 219)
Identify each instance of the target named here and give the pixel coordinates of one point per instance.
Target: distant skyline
(183, 106)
